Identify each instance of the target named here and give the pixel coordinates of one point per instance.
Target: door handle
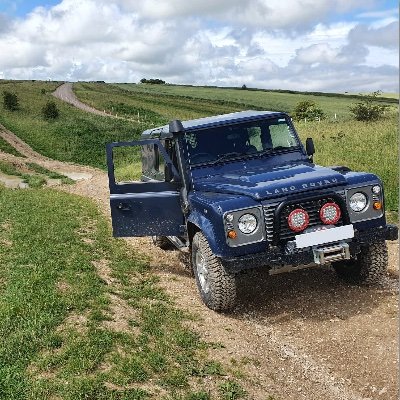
(123, 206)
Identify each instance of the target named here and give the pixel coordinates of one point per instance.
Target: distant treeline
(153, 81)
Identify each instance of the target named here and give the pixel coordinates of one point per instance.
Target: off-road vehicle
(240, 191)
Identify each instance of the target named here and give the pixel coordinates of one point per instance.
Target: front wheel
(369, 268)
(217, 287)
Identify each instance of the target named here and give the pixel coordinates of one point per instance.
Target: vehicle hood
(268, 182)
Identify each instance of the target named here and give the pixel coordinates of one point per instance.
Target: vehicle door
(151, 208)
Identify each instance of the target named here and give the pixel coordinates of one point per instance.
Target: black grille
(312, 207)
(282, 232)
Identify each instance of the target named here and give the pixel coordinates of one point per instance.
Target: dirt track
(65, 93)
(302, 335)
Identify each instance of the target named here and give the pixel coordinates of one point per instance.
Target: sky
(311, 45)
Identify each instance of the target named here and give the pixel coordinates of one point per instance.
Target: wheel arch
(197, 222)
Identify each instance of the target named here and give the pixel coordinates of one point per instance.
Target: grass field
(76, 136)
(256, 99)
(80, 137)
(363, 147)
(59, 337)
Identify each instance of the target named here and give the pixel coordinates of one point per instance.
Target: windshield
(240, 140)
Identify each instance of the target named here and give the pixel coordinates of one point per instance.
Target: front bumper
(278, 256)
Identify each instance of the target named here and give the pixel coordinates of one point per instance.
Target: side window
(129, 162)
(255, 137)
(281, 135)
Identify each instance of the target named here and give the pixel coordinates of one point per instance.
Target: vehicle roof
(207, 122)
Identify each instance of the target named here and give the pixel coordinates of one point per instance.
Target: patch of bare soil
(74, 321)
(300, 335)
(121, 313)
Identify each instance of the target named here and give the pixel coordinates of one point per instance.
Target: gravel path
(302, 335)
(65, 93)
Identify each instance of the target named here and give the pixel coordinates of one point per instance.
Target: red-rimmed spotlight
(330, 213)
(298, 220)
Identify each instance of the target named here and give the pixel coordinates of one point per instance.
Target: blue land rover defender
(239, 191)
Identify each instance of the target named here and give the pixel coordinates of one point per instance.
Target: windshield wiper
(227, 156)
(278, 148)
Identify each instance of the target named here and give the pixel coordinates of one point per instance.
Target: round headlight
(358, 202)
(247, 223)
(376, 189)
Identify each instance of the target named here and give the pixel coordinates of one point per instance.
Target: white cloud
(273, 44)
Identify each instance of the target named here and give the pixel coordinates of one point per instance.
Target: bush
(10, 101)
(367, 110)
(153, 81)
(308, 109)
(50, 111)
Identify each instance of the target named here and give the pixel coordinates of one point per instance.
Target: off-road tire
(162, 242)
(369, 268)
(221, 294)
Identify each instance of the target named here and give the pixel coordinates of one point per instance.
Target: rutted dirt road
(302, 335)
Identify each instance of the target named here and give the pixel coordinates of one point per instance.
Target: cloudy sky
(324, 45)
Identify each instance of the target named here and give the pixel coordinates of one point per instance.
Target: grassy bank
(82, 317)
(75, 136)
(151, 107)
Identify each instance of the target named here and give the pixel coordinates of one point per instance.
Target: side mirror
(176, 127)
(310, 149)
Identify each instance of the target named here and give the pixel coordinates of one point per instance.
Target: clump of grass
(7, 148)
(231, 390)
(34, 180)
(51, 174)
(9, 169)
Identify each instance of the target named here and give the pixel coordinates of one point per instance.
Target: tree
(153, 81)
(10, 101)
(308, 109)
(367, 110)
(244, 87)
(50, 111)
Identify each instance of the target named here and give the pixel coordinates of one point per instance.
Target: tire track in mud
(302, 335)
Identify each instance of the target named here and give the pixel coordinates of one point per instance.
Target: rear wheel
(217, 287)
(369, 268)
